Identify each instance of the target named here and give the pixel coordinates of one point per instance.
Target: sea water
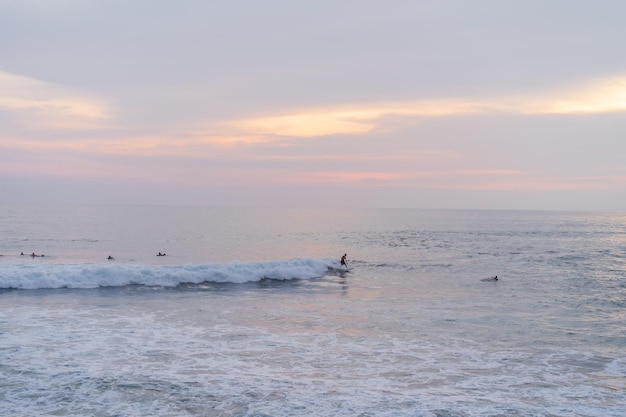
(250, 314)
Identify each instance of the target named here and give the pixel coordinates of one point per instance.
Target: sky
(459, 104)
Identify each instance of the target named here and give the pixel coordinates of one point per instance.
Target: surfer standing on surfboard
(344, 259)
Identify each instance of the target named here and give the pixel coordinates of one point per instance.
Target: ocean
(250, 314)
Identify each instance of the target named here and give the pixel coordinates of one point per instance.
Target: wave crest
(117, 275)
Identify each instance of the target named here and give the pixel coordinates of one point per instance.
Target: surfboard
(341, 269)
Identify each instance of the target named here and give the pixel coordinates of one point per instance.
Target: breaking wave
(49, 276)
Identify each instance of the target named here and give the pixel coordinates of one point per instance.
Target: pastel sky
(432, 104)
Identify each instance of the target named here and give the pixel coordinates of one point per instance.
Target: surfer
(161, 254)
(344, 259)
(490, 279)
(110, 258)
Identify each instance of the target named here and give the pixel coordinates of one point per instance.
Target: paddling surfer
(490, 279)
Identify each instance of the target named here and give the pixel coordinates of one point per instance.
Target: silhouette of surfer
(344, 259)
(110, 258)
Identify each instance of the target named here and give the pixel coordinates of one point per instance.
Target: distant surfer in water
(490, 279)
(344, 259)
(110, 258)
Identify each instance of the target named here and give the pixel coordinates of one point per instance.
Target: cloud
(358, 119)
(38, 104)
(595, 96)
(267, 149)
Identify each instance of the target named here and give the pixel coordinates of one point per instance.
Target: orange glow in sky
(392, 112)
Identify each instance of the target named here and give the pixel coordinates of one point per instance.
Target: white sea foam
(39, 276)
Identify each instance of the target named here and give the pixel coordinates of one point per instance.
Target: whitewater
(20, 276)
(250, 313)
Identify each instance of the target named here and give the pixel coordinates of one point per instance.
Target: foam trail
(22, 276)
